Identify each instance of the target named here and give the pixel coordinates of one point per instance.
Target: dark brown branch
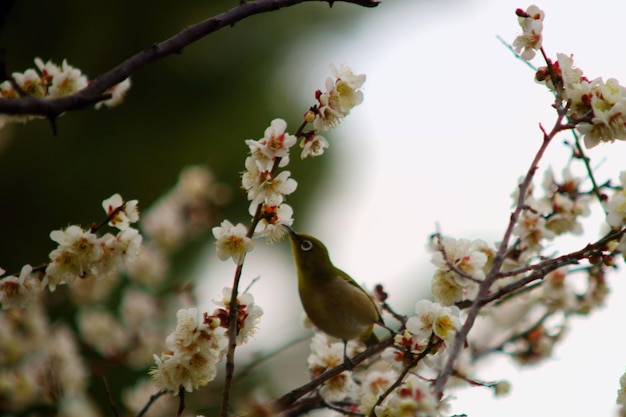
(548, 266)
(181, 402)
(432, 342)
(151, 401)
(288, 400)
(95, 91)
(110, 397)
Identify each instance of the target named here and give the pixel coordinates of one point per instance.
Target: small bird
(332, 300)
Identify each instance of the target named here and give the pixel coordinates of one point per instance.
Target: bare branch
(151, 401)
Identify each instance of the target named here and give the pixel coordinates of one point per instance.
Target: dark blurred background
(196, 107)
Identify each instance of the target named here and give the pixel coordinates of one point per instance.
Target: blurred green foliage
(196, 107)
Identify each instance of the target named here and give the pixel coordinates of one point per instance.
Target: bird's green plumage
(332, 300)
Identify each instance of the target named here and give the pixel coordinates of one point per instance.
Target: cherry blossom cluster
(266, 189)
(327, 355)
(528, 324)
(461, 265)
(419, 348)
(596, 107)
(49, 80)
(193, 351)
(81, 253)
(41, 365)
(530, 41)
(247, 317)
(264, 182)
(342, 93)
(198, 344)
(46, 356)
(109, 264)
(557, 212)
(360, 391)
(525, 327)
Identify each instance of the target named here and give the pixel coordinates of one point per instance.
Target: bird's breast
(338, 308)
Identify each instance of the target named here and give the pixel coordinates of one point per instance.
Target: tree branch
(288, 400)
(95, 91)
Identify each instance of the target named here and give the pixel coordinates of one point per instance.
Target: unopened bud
(502, 388)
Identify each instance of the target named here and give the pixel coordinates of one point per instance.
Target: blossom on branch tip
(125, 212)
(596, 107)
(313, 145)
(343, 92)
(531, 22)
(232, 241)
(193, 351)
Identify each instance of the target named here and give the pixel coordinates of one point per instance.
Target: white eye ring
(306, 245)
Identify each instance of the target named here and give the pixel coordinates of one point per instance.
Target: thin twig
(233, 315)
(432, 342)
(151, 401)
(510, 48)
(110, 397)
(181, 403)
(585, 159)
(450, 264)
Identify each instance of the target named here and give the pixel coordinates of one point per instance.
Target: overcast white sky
(449, 123)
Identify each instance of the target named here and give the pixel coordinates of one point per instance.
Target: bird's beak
(292, 233)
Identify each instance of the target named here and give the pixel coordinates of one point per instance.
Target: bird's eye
(306, 245)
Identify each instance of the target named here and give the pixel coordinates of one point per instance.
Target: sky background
(448, 125)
